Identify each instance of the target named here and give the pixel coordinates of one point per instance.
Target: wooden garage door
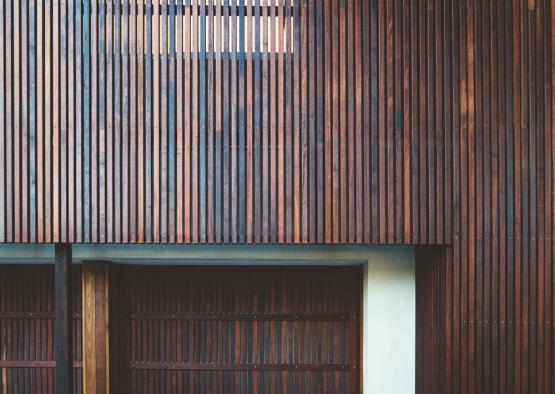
(236, 330)
(26, 329)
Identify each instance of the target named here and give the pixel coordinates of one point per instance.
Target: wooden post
(96, 349)
(63, 319)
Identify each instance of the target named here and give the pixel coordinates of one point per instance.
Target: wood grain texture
(237, 330)
(211, 122)
(417, 122)
(95, 283)
(27, 325)
(486, 303)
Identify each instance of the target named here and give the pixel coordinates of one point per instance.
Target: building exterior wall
(393, 122)
(388, 329)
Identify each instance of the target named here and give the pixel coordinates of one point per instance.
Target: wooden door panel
(237, 330)
(27, 329)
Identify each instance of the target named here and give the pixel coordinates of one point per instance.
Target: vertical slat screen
(26, 330)
(436, 127)
(236, 330)
(210, 121)
(487, 302)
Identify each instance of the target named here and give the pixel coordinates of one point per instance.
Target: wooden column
(96, 344)
(63, 322)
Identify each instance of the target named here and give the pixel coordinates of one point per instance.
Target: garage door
(236, 330)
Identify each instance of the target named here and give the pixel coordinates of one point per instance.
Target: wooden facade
(301, 121)
(27, 363)
(335, 121)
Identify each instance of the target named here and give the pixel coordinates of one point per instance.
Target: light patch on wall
(203, 26)
(389, 323)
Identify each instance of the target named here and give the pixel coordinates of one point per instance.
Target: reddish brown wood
(378, 122)
(216, 311)
(141, 50)
(27, 315)
(95, 289)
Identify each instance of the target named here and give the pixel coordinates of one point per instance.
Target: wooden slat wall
(487, 303)
(307, 121)
(388, 122)
(236, 330)
(26, 330)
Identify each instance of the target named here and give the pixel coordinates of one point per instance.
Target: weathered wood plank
(95, 282)
(17, 127)
(133, 121)
(3, 117)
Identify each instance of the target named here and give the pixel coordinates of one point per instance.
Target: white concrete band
(389, 323)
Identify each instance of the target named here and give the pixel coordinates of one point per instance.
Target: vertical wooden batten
(96, 349)
(63, 323)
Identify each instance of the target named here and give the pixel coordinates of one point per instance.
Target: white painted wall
(389, 323)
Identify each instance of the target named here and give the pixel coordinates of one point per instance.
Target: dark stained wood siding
(236, 330)
(419, 122)
(487, 302)
(309, 122)
(26, 330)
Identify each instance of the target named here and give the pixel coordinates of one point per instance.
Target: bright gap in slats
(229, 26)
